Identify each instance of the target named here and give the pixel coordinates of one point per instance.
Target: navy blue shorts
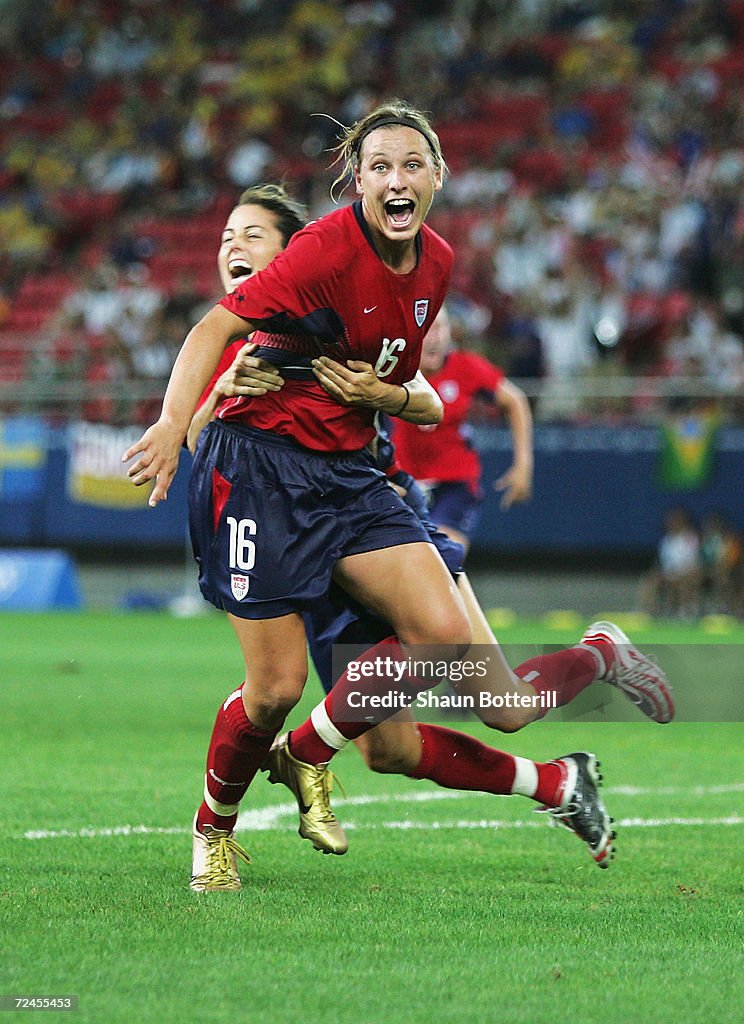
(269, 519)
(341, 620)
(455, 505)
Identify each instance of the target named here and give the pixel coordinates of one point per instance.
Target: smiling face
(250, 241)
(396, 177)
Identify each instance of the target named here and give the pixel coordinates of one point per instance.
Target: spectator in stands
(98, 301)
(152, 113)
(672, 587)
(721, 561)
(565, 325)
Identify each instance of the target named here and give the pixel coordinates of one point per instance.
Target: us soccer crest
(420, 309)
(239, 586)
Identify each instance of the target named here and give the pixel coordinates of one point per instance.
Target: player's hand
(159, 449)
(249, 375)
(516, 484)
(356, 383)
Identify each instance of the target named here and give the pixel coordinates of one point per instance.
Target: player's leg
(455, 760)
(245, 726)
(604, 654)
(383, 580)
(567, 787)
(548, 681)
(431, 618)
(248, 720)
(241, 498)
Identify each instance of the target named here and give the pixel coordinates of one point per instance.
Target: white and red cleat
(642, 681)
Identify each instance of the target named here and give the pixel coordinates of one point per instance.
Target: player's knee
(268, 705)
(449, 630)
(507, 719)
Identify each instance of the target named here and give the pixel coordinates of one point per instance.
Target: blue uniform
(455, 505)
(340, 619)
(270, 519)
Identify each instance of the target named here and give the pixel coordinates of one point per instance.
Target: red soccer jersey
(330, 292)
(224, 364)
(443, 452)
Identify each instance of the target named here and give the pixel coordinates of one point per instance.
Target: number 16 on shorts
(242, 554)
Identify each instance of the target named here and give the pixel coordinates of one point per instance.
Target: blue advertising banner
(596, 488)
(23, 450)
(38, 580)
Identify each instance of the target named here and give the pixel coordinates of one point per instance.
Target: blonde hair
(393, 112)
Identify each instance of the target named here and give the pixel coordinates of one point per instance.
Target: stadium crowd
(698, 569)
(595, 203)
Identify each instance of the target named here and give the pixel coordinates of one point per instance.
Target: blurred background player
(441, 457)
(672, 586)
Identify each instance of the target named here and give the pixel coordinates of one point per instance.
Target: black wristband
(406, 400)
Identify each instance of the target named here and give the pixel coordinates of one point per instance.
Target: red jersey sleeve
(484, 375)
(293, 295)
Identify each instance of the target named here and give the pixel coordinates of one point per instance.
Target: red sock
(236, 752)
(339, 719)
(455, 760)
(606, 651)
(565, 673)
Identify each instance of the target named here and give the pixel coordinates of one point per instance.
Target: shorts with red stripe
(270, 519)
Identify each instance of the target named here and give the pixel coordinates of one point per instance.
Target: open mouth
(239, 271)
(400, 212)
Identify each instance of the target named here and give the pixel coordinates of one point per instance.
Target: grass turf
(448, 907)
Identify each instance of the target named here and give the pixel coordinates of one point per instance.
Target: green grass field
(448, 907)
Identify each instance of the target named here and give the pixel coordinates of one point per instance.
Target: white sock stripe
(224, 810)
(601, 663)
(233, 696)
(525, 777)
(325, 728)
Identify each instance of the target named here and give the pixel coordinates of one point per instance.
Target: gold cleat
(214, 865)
(311, 785)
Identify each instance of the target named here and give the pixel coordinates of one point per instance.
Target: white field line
(267, 819)
(494, 824)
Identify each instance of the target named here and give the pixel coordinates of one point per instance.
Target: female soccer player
(286, 495)
(441, 457)
(257, 230)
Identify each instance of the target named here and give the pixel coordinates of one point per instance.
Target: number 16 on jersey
(242, 554)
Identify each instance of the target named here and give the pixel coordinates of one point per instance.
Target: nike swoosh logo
(371, 308)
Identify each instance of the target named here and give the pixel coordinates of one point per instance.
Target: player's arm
(516, 483)
(356, 383)
(247, 376)
(160, 445)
